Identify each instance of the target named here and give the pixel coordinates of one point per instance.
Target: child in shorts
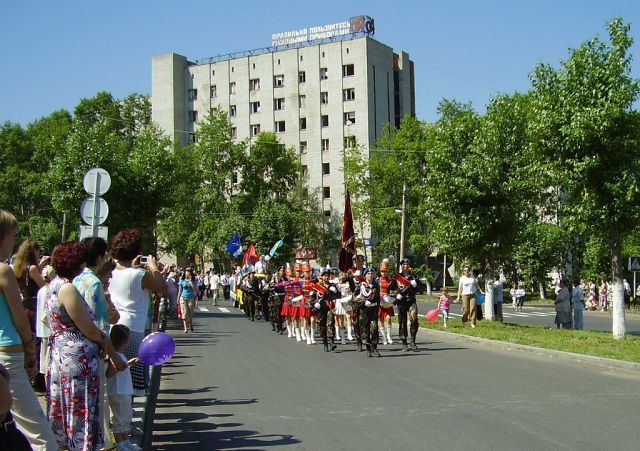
(120, 391)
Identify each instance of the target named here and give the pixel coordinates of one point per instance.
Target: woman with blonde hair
(17, 347)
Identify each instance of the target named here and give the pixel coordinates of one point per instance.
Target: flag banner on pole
(348, 242)
(275, 247)
(234, 246)
(251, 256)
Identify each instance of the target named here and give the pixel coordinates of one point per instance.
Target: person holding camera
(132, 282)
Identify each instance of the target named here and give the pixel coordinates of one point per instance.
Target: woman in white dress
(346, 285)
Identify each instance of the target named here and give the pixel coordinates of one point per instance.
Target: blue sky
(56, 52)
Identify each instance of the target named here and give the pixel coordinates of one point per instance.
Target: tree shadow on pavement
(183, 422)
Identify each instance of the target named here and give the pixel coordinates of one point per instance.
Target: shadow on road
(182, 422)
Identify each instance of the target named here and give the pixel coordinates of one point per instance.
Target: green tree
(586, 126)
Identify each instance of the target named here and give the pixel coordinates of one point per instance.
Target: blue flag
(275, 247)
(235, 246)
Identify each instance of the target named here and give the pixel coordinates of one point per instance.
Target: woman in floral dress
(76, 343)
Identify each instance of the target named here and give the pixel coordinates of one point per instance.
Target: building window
(347, 50)
(193, 116)
(234, 178)
(213, 72)
(193, 94)
(255, 107)
(323, 54)
(324, 97)
(232, 87)
(278, 104)
(233, 69)
(302, 76)
(350, 118)
(303, 123)
(302, 99)
(325, 120)
(300, 57)
(234, 133)
(323, 74)
(304, 171)
(327, 213)
(326, 192)
(349, 142)
(303, 147)
(348, 70)
(214, 91)
(325, 145)
(254, 84)
(232, 111)
(253, 65)
(280, 127)
(193, 138)
(278, 81)
(326, 170)
(255, 129)
(349, 94)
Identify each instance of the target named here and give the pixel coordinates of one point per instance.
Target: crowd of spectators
(71, 326)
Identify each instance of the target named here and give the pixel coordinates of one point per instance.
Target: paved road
(543, 315)
(234, 384)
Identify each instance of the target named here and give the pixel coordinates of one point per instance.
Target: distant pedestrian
(467, 289)
(214, 283)
(520, 293)
(604, 295)
(563, 305)
(577, 298)
(498, 299)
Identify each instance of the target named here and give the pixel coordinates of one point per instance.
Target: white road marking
(203, 309)
(223, 309)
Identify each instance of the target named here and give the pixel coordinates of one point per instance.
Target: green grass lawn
(601, 344)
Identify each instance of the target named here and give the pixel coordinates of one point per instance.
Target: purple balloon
(156, 348)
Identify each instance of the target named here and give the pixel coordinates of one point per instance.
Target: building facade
(315, 96)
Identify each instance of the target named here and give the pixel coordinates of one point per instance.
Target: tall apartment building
(313, 95)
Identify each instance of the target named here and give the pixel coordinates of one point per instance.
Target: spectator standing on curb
(563, 305)
(120, 391)
(578, 305)
(498, 299)
(467, 289)
(214, 281)
(520, 293)
(76, 343)
(91, 289)
(226, 285)
(17, 347)
(201, 283)
(130, 288)
(187, 298)
(42, 324)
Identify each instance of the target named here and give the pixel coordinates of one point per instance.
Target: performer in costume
(368, 296)
(346, 286)
(277, 301)
(265, 293)
(306, 306)
(404, 287)
(385, 314)
(297, 302)
(323, 296)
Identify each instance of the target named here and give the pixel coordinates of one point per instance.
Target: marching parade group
(356, 304)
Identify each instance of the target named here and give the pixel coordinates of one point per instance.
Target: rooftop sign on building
(355, 25)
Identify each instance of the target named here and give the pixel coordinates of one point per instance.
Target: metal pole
(402, 220)
(94, 231)
(634, 285)
(444, 272)
(64, 225)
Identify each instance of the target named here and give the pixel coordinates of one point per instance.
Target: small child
(443, 305)
(120, 391)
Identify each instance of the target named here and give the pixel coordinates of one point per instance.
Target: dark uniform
(407, 308)
(250, 295)
(276, 301)
(323, 304)
(368, 298)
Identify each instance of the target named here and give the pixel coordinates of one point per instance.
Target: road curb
(602, 361)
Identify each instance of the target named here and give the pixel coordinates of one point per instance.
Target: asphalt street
(234, 384)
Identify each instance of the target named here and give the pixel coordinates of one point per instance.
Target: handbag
(10, 437)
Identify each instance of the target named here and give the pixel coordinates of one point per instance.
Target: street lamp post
(402, 220)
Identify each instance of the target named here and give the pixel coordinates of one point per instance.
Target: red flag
(250, 256)
(348, 240)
